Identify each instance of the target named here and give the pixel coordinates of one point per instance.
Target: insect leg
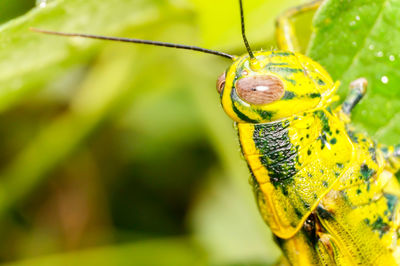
(358, 89)
(285, 31)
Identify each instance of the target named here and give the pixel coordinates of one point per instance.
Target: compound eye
(260, 90)
(221, 83)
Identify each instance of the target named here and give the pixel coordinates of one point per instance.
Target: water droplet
(41, 3)
(379, 54)
(385, 80)
(371, 47)
(357, 17)
(392, 58)
(352, 23)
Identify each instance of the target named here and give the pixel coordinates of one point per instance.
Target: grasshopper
(329, 193)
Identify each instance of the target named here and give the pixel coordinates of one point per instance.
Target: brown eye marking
(221, 83)
(259, 90)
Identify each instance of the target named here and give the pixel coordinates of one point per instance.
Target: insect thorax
(295, 162)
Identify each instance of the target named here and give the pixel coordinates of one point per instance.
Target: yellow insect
(329, 194)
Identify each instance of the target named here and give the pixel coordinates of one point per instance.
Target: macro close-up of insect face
(120, 152)
(274, 85)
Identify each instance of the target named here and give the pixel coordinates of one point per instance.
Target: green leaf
(29, 59)
(361, 38)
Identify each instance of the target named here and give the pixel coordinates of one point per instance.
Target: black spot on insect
(301, 139)
(308, 136)
(337, 174)
(305, 204)
(298, 213)
(391, 202)
(366, 172)
(323, 213)
(315, 196)
(333, 141)
(380, 226)
(337, 131)
(324, 120)
(352, 136)
(358, 191)
(340, 165)
(309, 152)
(321, 82)
(315, 95)
(323, 140)
(288, 95)
(265, 114)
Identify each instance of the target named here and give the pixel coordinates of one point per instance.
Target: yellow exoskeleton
(329, 194)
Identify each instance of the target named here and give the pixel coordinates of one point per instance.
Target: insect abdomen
(295, 161)
(311, 163)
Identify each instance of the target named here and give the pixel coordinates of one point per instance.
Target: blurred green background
(117, 154)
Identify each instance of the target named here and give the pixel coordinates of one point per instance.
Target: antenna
(118, 39)
(246, 43)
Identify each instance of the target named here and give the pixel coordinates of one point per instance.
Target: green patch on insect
(328, 192)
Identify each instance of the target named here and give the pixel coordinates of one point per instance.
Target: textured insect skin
(306, 161)
(329, 194)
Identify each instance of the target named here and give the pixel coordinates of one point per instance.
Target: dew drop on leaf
(42, 3)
